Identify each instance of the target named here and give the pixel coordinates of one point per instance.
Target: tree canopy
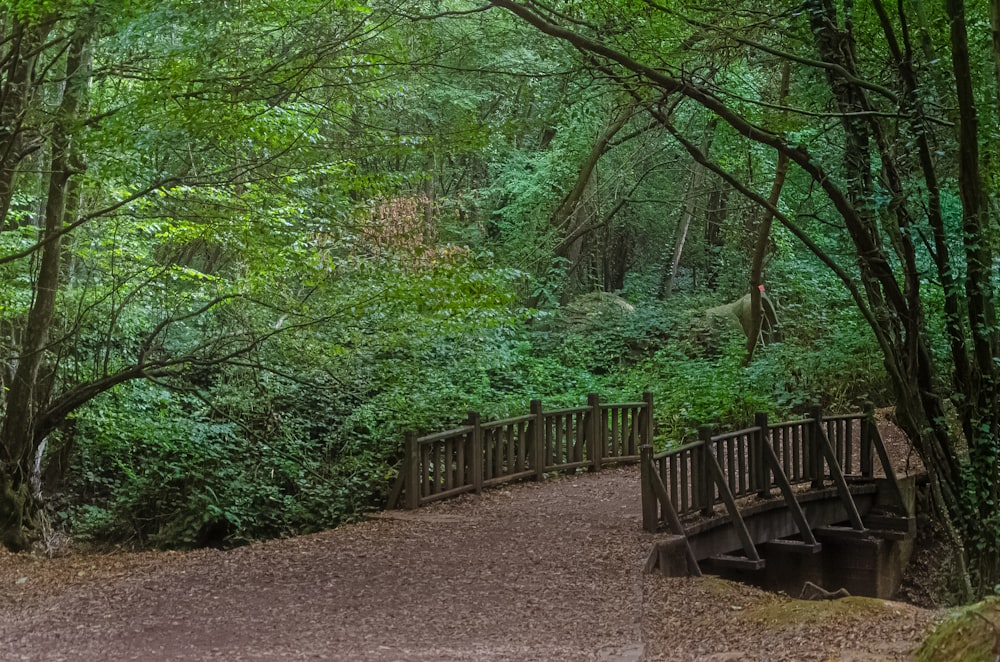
(246, 246)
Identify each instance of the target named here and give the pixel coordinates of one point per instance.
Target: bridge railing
(482, 454)
(722, 467)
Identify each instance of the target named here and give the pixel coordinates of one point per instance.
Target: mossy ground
(783, 613)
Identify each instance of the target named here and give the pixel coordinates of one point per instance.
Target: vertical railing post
(760, 475)
(597, 432)
(475, 420)
(537, 427)
(646, 430)
(815, 453)
(705, 476)
(650, 507)
(867, 427)
(412, 469)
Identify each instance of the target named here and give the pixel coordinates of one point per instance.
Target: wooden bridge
(820, 487)
(814, 499)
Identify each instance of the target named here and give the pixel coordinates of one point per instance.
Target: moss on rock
(971, 634)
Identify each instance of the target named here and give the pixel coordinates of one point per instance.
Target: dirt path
(543, 572)
(534, 572)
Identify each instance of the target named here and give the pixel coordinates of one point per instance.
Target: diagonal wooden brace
(890, 474)
(734, 512)
(673, 521)
(771, 458)
(823, 443)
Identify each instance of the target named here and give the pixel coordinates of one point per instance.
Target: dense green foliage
(246, 247)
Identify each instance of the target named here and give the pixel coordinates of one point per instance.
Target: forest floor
(536, 571)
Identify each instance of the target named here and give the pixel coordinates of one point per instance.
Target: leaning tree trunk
(764, 234)
(983, 488)
(18, 434)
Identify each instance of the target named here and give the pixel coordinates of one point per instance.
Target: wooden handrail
(814, 449)
(486, 453)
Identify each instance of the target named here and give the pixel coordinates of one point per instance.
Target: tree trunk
(18, 435)
(764, 234)
(694, 193)
(570, 219)
(985, 424)
(16, 96)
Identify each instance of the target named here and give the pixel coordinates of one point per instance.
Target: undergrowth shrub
(245, 452)
(152, 468)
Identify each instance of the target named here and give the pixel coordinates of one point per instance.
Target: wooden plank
(511, 440)
(477, 452)
(425, 467)
(702, 476)
(498, 452)
(672, 521)
(567, 466)
(623, 459)
(786, 456)
(509, 478)
(758, 467)
(678, 449)
(568, 410)
(742, 456)
(647, 428)
(650, 510)
(634, 431)
(438, 436)
(849, 446)
(786, 491)
(890, 473)
(568, 433)
(437, 466)
(798, 454)
(572, 429)
(449, 464)
(697, 474)
(550, 432)
(488, 443)
(397, 489)
(613, 450)
(838, 476)
(538, 439)
(749, 549)
(596, 431)
(867, 425)
(446, 494)
(678, 463)
(731, 465)
(625, 430)
(504, 422)
(839, 447)
(460, 466)
(412, 469)
(738, 562)
(522, 442)
(733, 435)
(603, 433)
